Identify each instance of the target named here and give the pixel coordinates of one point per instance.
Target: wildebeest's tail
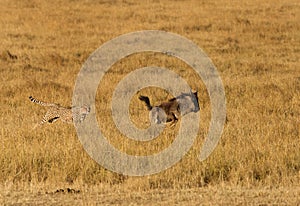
(147, 101)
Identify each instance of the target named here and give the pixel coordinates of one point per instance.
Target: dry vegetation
(254, 44)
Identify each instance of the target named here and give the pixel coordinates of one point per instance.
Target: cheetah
(171, 110)
(65, 114)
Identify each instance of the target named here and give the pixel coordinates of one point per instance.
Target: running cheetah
(55, 112)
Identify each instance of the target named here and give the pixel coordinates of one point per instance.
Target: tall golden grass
(254, 45)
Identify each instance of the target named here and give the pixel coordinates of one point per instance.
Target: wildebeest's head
(188, 102)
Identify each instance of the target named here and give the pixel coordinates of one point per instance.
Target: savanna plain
(255, 45)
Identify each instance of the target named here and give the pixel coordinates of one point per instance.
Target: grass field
(255, 45)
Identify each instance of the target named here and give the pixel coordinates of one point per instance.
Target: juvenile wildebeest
(171, 110)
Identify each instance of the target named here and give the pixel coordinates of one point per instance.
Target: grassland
(255, 46)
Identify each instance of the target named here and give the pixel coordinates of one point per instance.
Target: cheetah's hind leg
(44, 120)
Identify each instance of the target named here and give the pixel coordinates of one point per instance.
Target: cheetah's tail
(32, 99)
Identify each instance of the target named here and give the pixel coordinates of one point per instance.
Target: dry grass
(255, 46)
(120, 195)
